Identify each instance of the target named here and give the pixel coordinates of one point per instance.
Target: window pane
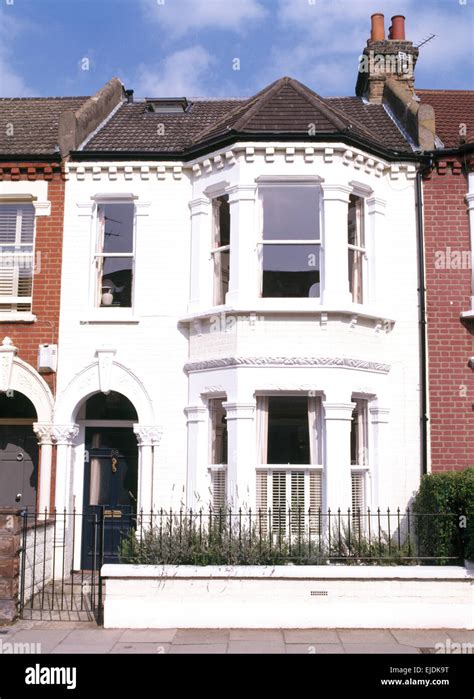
(355, 275)
(219, 431)
(116, 281)
(291, 271)
(116, 221)
(290, 213)
(359, 444)
(223, 237)
(288, 431)
(10, 218)
(221, 275)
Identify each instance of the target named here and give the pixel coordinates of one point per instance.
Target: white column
(337, 480)
(45, 440)
(157, 496)
(146, 435)
(201, 287)
(335, 250)
(197, 480)
(376, 249)
(380, 462)
(243, 276)
(64, 436)
(242, 456)
(470, 208)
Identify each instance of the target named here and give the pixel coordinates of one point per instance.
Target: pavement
(86, 637)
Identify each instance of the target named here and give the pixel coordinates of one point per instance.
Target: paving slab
(145, 648)
(365, 636)
(327, 636)
(81, 649)
(420, 638)
(460, 635)
(201, 649)
(261, 647)
(148, 636)
(314, 649)
(94, 637)
(395, 648)
(256, 635)
(200, 636)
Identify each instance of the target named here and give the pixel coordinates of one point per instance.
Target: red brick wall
(450, 343)
(46, 282)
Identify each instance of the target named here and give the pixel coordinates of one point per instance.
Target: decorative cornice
(338, 411)
(325, 362)
(195, 413)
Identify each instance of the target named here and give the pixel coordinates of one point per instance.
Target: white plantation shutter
(279, 500)
(297, 502)
(315, 500)
(219, 488)
(262, 492)
(358, 500)
(17, 226)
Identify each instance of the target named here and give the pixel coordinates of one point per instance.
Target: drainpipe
(424, 418)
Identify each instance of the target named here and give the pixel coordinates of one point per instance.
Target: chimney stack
(382, 58)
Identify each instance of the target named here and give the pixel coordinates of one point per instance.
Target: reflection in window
(114, 255)
(221, 247)
(357, 250)
(291, 241)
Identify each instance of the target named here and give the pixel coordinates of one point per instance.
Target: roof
(286, 107)
(34, 123)
(452, 108)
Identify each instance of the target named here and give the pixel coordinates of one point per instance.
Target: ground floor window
(290, 498)
(218, 452)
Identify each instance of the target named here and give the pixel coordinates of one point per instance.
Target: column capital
(241, 192)
(200, 205)
(44, 432)
(338, 411)
(195, 413)
(148, 435)
(376, 205)
(381, 415)
(65, 434)
(470, 201)
(239, 411)
(336, 192)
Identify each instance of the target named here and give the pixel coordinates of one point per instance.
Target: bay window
(289, 475)
(114, 255)
(17, 238)
(356, 247)
(221, 247)
(218, 452)
(290, 246)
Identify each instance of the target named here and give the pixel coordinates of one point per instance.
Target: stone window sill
(17, 318)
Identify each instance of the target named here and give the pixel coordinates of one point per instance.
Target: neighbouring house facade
(448, 190)
(36, 135)
(239, 307)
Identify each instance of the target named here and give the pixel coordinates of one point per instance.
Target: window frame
(104, 200)
(217, 288)
(11, 300)
(287, 183)
(361, 232)
(216, 469)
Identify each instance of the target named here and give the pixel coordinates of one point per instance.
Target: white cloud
(12, 84)
(178, 17)
(184, 72)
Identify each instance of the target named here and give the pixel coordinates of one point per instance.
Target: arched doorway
(18, 451)
(110, 471)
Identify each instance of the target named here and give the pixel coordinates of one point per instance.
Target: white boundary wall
(283, 597)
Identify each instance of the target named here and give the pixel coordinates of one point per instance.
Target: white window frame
(216, 204)
(18, 256)
(286, 182)
(103, 200)
(361, 231)
(217, 471)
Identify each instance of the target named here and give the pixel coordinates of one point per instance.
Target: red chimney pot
(398, 28)
(378, 29)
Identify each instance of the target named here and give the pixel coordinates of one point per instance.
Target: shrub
(447, 502)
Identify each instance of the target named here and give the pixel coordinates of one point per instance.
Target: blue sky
(193, 47)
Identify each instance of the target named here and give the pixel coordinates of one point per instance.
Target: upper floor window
(357, 250)
(17, 237)
(114, 255)
(221, 247)
(290, 240)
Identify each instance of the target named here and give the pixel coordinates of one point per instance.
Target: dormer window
(168, 105)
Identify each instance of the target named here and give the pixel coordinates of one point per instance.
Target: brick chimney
(383, 58)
